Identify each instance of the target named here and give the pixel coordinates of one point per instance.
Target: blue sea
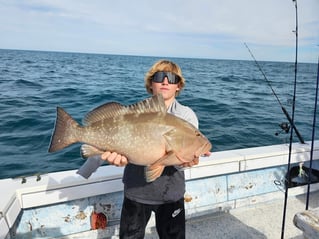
(234, 103)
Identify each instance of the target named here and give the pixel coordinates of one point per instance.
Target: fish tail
(64, 133)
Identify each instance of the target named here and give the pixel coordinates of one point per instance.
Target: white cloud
(200, 28)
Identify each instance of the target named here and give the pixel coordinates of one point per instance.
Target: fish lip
(206, 147)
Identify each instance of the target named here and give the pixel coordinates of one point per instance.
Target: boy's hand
(114, 158)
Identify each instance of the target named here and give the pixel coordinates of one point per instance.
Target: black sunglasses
(159, 77)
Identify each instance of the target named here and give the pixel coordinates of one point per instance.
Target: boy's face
(167, 90)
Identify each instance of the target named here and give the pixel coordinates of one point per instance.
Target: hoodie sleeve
(90, 166)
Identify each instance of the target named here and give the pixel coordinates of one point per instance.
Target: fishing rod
(292, 120)
(274, 93)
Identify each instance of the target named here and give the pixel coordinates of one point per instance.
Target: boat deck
(259, 221)
(256, 222)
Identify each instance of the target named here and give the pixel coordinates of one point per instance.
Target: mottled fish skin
(143, 132)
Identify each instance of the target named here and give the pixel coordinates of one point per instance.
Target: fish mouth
(208, 147)
(204, 149)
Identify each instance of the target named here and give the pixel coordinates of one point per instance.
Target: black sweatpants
(170, 219)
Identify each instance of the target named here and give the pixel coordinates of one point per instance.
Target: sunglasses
(159, 77)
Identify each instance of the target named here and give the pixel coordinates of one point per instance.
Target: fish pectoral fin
(155, 170)
(152, 173)
(89, 151)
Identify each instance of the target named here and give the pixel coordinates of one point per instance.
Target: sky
(214, 29)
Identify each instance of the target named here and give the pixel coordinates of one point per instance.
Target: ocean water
(234, 103)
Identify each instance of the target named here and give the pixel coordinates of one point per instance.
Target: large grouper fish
(143, 132)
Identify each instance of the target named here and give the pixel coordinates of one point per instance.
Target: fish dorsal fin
(150, 105)
(105, 111)
(112, 110)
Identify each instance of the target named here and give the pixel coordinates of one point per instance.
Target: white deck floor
(260, 221)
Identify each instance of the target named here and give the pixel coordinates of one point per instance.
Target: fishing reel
(285, 127)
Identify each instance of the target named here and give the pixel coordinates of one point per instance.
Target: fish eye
(197, 133)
